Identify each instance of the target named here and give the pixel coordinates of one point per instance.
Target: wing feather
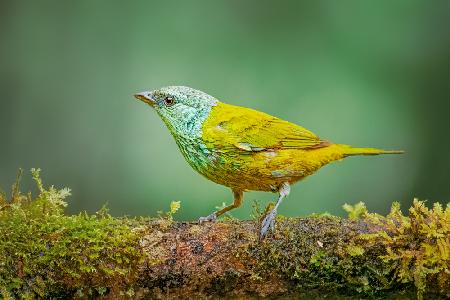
(253, 131)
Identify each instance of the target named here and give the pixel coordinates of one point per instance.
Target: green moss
(355, 211)
(379, 255)
(416, 245)
(354, 250)
(42, 249)
(45, 253)
(311, 254)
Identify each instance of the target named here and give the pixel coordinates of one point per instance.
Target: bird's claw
(211, 218)
(268, 222)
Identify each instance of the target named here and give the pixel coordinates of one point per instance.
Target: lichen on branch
(46, 253)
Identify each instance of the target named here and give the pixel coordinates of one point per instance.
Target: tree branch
(314, 255)
(45, 253)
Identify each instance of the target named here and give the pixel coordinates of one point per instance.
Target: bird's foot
(268, 222)
(211, 218)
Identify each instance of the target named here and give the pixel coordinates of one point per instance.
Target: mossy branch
(44, 253)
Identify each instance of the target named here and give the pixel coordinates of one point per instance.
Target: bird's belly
(260, 171)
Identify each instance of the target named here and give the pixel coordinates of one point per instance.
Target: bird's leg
(269, 220)
(238, 195)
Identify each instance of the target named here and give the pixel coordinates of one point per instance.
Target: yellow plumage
(260, 152)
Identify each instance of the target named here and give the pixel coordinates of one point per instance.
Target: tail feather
(349, 150)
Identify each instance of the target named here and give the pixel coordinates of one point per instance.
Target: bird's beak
(145, 97)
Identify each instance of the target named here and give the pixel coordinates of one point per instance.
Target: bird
(242, 148)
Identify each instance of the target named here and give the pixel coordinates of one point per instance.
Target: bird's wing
(250, 130)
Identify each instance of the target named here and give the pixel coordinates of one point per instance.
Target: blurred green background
(358, 72)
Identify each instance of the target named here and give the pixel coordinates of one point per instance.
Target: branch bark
(309, 256)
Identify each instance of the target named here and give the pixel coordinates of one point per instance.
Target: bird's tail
(349, 150)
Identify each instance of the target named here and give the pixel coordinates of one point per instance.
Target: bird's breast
(196, 153)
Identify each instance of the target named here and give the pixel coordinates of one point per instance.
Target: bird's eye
(169, 101)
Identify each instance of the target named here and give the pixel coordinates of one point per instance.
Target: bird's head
(182, 108)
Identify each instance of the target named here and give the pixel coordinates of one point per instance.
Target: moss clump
(355, 211)
(42, 250)
(417, 246)
(367, 254)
